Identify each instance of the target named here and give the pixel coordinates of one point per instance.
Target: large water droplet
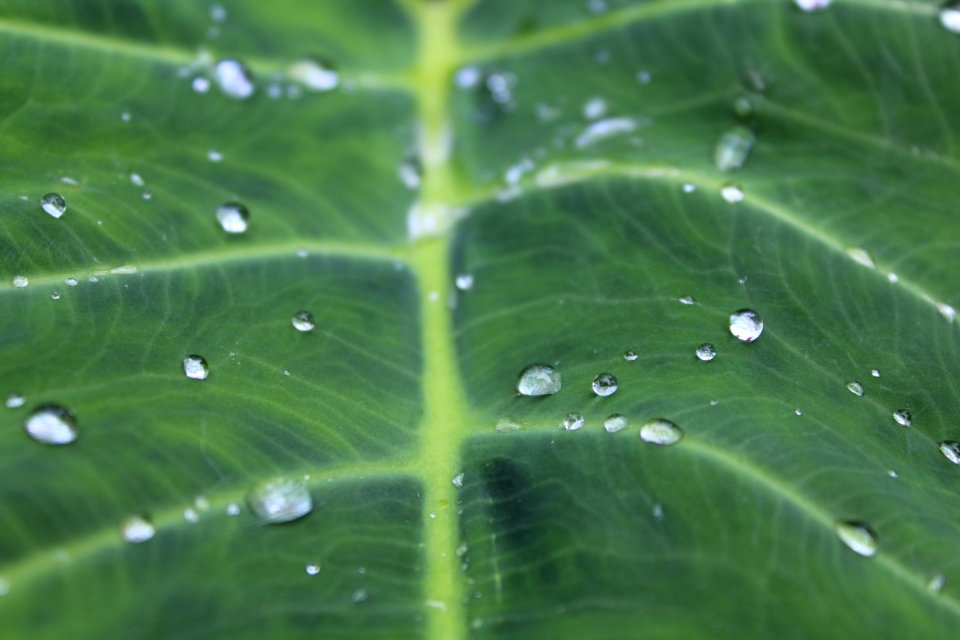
(195, 367)
(951, 450)
(605, 385)
(615, 423)
(52, 424)
(812, 5)
(303, 321)
(902, 417)
(855, 388)
(315, 74)
(733, 148)
(54, 204)
(279, 499)
(234, 79)
(233, 217)
(661, 432)
(137, 529)
(572, 421)
(950, 16)
(539, 380)
(746, 325)
(706, 352)
(858, 536)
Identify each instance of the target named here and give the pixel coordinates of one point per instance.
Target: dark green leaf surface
(579, 252)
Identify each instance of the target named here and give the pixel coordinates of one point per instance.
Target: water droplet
(15, 401)
(616, 422)
(234, 79)
(603, 130)
(855, 388)
(360, 595)
(315, 74)
(948, 312)
(644, 77)
(861, 257)
(687, 300)
(457, 480)
(689, 187)
(137, 529)
(410, 172)
(214, 156)
(312, 569)
(743, 107)
(902, 417)
(572, 421)
(466, 77)
(630, 356)
(937, 583)
(54, 204)
(950, 16)
(465, 281)
(706, 352)
(233, 509)
(200, 84)
(595, 108)
(507, 425)
(195, 367)
(812, 5)
(875, 373)
(605, 384)
(280, 499)
(500, 86)
(190, 515)
(798, 412)
(661, 432)
(52, 424)
(892, 277)
(137, 180)
(233, 217)
(125, 116)
(892, 474)
(858, 536)
(70, 282)
(746, 325)
(539, 380)
(732, 193)
(303, 321)
(55, 295)
(951, 450)
(20, 281)
(218, 13)
(733, 148)
(658, 511)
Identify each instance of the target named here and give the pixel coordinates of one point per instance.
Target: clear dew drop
(15, 401)
(303, 321)
(233, 509)
(234, 79)
(464, 281)
(855, 388)
(950, 450)
(55, 295)
(950, 16)
(54, 204)
(190, 515)
(937, 583)
(312, 569)
(572, 421)
(595, 108)
(902, 417)
(630, 356)
(746, 325)
(137, 180)
(280, 499)
(70, 282)
(812, 5)
(137, 529)
(706, 352)
(605, 384)
(214, 156)
(615, 423)
(52, 424)
(233, 217)
(195, 367)
(861, 257)
(539, 380)
(20, 282)
(733, 148)
(660, 431)
(875, 373)
(858, 536)
(798, 412)
(604, 130)
(743, 107)
(732, 193)
(315, 74)
(200, 85)
(687, 300)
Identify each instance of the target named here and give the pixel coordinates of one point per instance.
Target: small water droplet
(572, 421)
(875, 373)
(706, 352)
(280, 499)
(660, 431)
(630, 356)
(937, 583)
(214, 156)
(360, 595)
(732, 193)
(892, 277)
(200, 84)
(458, 480)
(948, 312)
(603, 130)
(594, 108)
(892, 474)
(689, 187)
(55, 295)
(644, 77)
(539, 380)
(861, 257)
(615, 423)
(467, 77)
(54, 204)
(52, 424)
(234, 79)
(812, 5)
(410, 172)
(507, 425)
(902, 417)
(15, 401)
(20, 281)
(312, 569)
(137, 180)
(950, 16)
(137, 529)
(233, 217)
(125, 116)
(465, 281)
(315, 74)
(746, 325)
(233, 509)
(195, 367)
(605, 384)
(951, 450)
(855, 388)
(190, 515)
(303, 321)
(798, 412)
(743, 107)
(858, 536)
(217, 13)
(70, 282)
(687, 300)
(733, 148)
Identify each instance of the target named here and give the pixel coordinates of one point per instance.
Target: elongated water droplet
(195, 367)
(312, 569)
(233, 217)
(4, 587)
(303, 321)
(687, 300)
(859, 536)
(280, 499)
(315, 74)
(746, 325)
(137, 529)
(605, 384)
(950, 16)
(630, 356)
(706, 352)
(53, 204)
(234, 79)
(660, 431)
(951, 450)
(20, 282)
(615, 423)
(603, 130)
(15, 401)
(52, 424)
(855, 388)
(812, 5)
(732, 193)
(902, 417)
(539, 380)
(733, 148)
(507, 425)
(572, 421)
(861, 257)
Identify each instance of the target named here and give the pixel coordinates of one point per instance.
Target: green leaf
(569, 174)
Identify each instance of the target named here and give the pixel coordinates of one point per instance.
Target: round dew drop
(615, 423)
(902, 417)
(746, 325)
(662, 432)
(951, 450)
(572, 421)
(54, 204)
(52, 424)
(706, 352)
(605, 384)
(195, 367)
(280, 499)
(137, 529)
(733, 148)
(233, 217)
(858, 536)
(539, 380)
(303, 321)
